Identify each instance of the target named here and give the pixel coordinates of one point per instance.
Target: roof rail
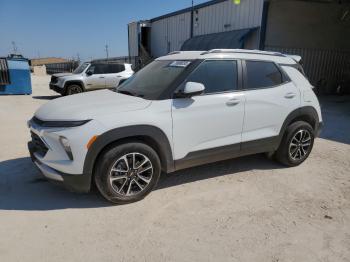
(174, 53)
(242, 51)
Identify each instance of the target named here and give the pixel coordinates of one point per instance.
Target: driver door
(209, 126)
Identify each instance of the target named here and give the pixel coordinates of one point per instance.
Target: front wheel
(74, 89)
(296, 144)
(127, 173)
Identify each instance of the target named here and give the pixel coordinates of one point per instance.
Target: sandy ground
(247, 209)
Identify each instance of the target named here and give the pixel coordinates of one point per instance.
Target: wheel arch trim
(70, 82)
(154, 133)
(307, 112)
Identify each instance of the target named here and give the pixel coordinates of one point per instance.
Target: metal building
(169, 32)
(319, 31)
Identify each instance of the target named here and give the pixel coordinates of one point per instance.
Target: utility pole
(192, 14)
(106, 49)
(14, 47)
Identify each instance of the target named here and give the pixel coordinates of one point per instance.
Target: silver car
(91, 76)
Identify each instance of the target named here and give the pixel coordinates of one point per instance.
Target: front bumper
(77, 183)
(57, 88)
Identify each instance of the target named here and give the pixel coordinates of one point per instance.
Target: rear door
(270, 97)
(97, 80)
(114, 74)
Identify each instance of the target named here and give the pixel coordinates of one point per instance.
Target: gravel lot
(247, 209)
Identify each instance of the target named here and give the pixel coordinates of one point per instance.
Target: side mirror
(191, 89)
(88, 73)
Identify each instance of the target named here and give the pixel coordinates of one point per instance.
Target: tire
(296, 144)
(113, 165)
(74, 89)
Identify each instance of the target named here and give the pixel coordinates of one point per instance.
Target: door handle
(290, 95)
(101, 77)
(233, 102)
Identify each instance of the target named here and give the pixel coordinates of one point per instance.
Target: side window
(115, 68)
(100, 69)
(91, 69)
(217, 76)
(262, 74)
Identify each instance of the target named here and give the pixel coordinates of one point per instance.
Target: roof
(189, 9)
(230, 53)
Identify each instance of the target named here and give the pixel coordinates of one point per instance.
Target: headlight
(65, 143)
(60, 81)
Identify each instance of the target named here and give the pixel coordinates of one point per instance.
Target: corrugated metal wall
(319, 35)
(133, 32)
(169, 34)
(320, 64)
(227, 16)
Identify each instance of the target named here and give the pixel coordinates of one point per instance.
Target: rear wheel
(127, 173)
(296, 144)
(74, 89)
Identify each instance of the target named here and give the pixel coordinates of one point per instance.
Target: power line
(14, 47)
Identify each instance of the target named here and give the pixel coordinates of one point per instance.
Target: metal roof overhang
(224, 40)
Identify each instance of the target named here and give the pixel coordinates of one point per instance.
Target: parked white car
(91, 76)
(182, 110)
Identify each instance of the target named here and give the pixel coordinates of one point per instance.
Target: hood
(89, 105)
(62, 74)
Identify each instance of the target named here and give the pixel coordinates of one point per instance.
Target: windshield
(81, 68)
(154, 79)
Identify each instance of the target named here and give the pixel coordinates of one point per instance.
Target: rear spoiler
(296, 58)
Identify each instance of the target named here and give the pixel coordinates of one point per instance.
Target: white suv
(182, 110)
(91, 76)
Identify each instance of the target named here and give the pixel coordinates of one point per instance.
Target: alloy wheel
(300, 145)
(74, 90)
(131, 174)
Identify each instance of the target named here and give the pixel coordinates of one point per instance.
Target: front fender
(111, 136)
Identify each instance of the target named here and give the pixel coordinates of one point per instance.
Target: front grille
(54, 79)
(38, 145)
(37, 121)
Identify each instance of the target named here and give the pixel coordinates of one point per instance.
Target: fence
(325, 68)
(121, 59)
(61, 67)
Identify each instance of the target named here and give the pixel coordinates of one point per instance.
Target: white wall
(212, 19)
(133, 39)
(168, 34)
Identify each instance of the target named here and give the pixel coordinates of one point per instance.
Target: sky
(68, 28)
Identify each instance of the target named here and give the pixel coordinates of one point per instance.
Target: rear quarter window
(115, 68)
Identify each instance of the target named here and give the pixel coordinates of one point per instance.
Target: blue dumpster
(15, 76)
